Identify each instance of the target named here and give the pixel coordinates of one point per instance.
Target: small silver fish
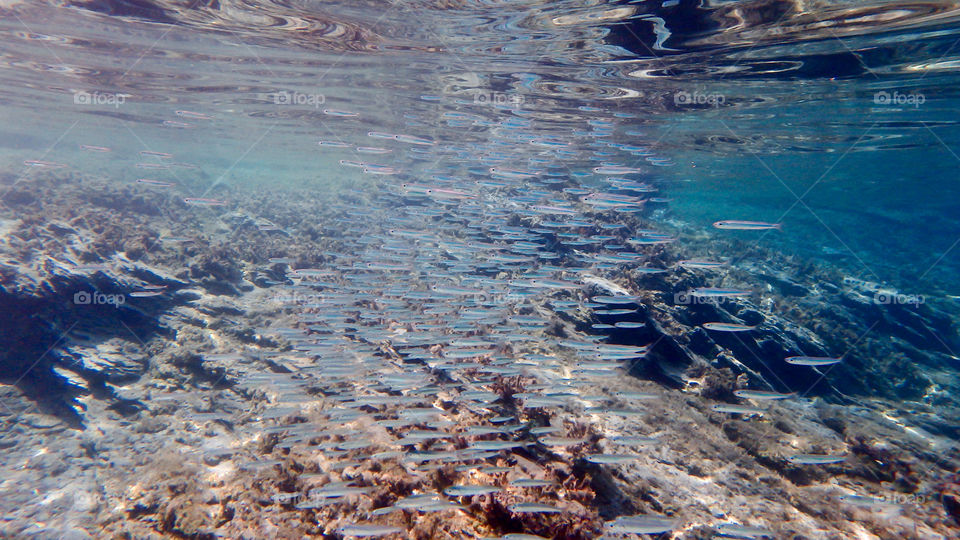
(469, 490)
(611, 459)
(736, 530)
(534, 508)
(761, 394)
(811, 360)
(561, 441)
(815, 459)
(727, 327)
(531, 482)
(737, 409)
(733, 224)
(368, 531)
(641, 524)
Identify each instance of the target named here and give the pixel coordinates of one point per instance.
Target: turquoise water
(307, 204)
(775, 121)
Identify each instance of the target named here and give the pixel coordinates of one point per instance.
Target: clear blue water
(784, 112)
(835, 121)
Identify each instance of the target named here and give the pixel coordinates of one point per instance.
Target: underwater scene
(479, 269)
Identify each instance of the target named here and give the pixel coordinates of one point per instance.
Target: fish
(340, 113)
(629, 325)
(713, 292)
(615, 299)
(812, 360)
(624, 394)
(543, 401)
(746, 225)
(438, 506)
(470, 490)
(410, 139)
(615, 169)
(615, 312)
(815, 459)
(613, 411)
(761, 394)
(510, 173)
(736, 530)
(700, 264)
(383, 171)
(101, 149)
(200, 201)
(43, 164)
(611, 459)
(439, 193)
(533, 508)
(738, 409)
(633, 440)
(193, 115)
(531, 483)
(495, 470)
(144, 294)
(416, 501)
(561, 441)
(372, 150)
(367, 531)
(483, 430)
(727, 327)
(544, 430)
(641, 524)
(653, 240)
(157, 183)
(496, 445)
(161, 155)
(336, 490)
